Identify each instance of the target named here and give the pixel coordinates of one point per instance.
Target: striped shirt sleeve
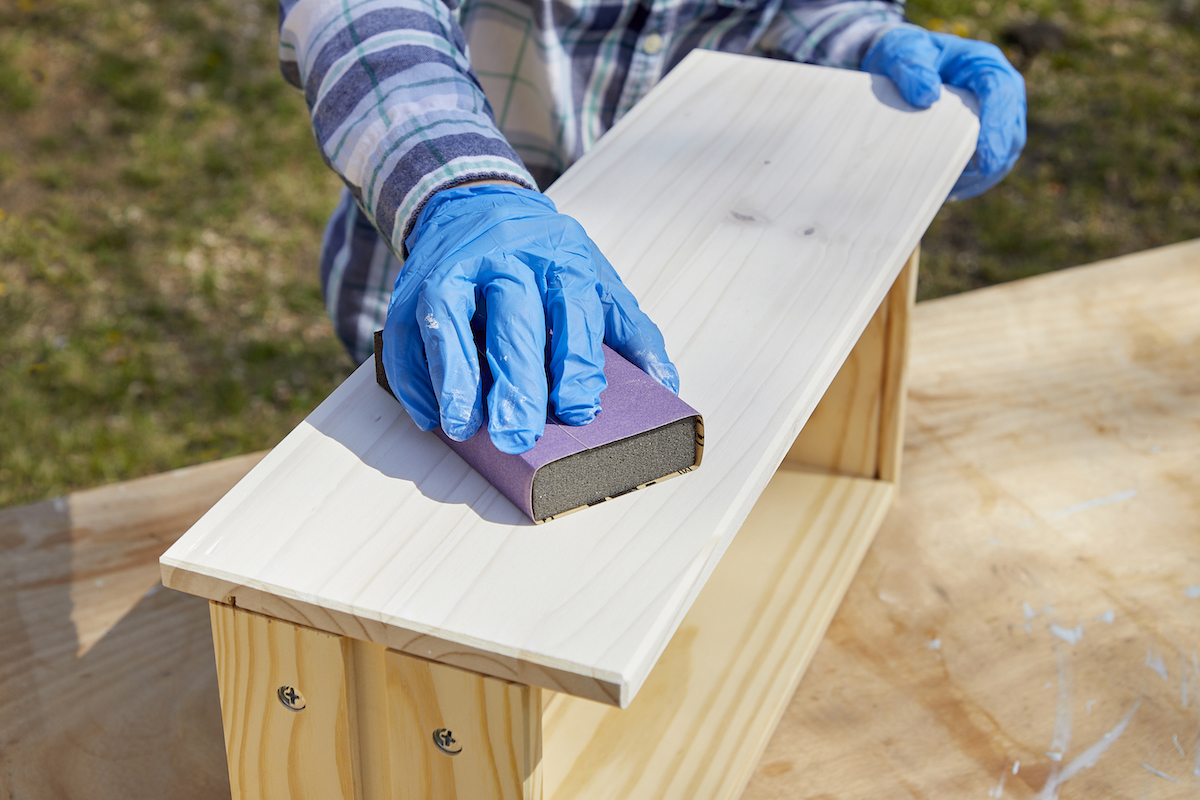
(396, 109)
(833, 33)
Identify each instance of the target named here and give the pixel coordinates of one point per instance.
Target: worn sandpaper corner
(643, 435)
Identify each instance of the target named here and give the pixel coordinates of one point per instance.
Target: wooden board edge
(600, 689)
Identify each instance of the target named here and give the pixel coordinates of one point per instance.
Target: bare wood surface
(901, 301)
(858, 427)
(402, 700)
(276, 751)
(1038, 584)
(361, 723)
(107, 685)
(697, 728)
(761, 239)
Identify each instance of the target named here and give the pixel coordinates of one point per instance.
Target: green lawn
(161, 204)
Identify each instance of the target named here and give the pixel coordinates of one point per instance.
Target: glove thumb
(909, 57)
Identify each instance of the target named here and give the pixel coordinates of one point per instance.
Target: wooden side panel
(493, 725)
(367, 728)
(857, 428)
(273, 751)
(701, 721)
(1027, 622)
(842, 435)
(900, 302)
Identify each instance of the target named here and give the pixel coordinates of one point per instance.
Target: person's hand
(531, 273)
(919, 61)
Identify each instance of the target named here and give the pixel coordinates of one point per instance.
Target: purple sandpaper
(633, 404)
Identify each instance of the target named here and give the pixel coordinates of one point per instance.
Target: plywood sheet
(760, 211)
(107, 683)
(1036, 589)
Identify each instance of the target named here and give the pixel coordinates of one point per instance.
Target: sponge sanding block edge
(643, 435)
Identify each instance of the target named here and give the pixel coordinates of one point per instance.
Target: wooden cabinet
(766, 215)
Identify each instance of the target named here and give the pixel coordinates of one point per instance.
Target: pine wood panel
(842, 435)
(898, 343)
(497, 724)
(858, 427)
(1038, 581)
(696, 729)
(273, 751)
(366, 728)
(762, 238)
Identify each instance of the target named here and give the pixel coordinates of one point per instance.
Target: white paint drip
(1196, 763)
(1108, 617)
(1195, 664)
(1016, 766)
(1183, 698)
(998, 789)
(431, 323)
(1068, 635)
(1178, 746)
(1089, 705)
(1088, 758)
(1030, 613)
(1160, 774)
(934, 644)
(1061, 738)
(1087, 505)
(1155, 662)
(1192, 591)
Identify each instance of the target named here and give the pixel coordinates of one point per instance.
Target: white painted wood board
(760, 210)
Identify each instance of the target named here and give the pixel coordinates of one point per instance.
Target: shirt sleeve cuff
(455, 174)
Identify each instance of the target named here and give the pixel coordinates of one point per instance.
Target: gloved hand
(533, 271)
(919, 61)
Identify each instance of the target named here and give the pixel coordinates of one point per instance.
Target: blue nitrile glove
(919, 61)
(508, 251)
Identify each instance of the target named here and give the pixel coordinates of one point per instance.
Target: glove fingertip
(461, 431)
(920, 86)
(659, 367)
(513, 442)
(579, 416)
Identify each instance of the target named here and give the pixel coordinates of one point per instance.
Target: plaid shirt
(409, 97)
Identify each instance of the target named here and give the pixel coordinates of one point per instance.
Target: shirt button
(652, 44)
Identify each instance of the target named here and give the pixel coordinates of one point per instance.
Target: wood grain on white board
(760, 211)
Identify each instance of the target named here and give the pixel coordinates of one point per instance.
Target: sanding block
(644, 434)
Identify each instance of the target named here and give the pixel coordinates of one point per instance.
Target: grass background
(161, 206)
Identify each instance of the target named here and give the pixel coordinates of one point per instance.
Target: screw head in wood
(446, 742)
(291, 698)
